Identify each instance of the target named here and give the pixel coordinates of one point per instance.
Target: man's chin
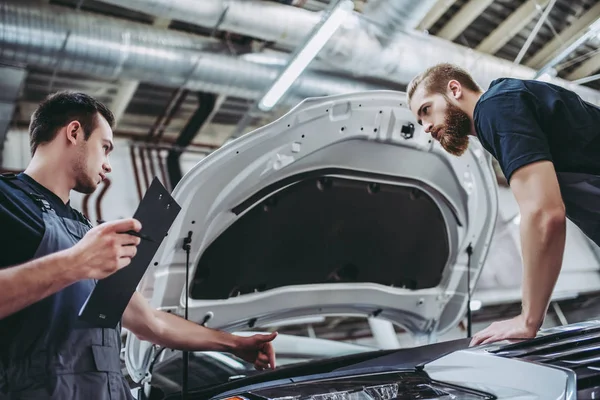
(456, 147)
(85, 189)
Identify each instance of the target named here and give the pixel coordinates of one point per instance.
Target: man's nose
(107, 167)
(428, 127)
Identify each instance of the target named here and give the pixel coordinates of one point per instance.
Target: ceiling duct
(77, 42)
(389, 16)
(357, 46)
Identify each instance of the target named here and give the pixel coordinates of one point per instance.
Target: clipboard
(106, 303)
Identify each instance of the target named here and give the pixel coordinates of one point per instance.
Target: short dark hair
(436, 79)
(61, 108)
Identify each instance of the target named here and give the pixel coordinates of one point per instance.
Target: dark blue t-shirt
(21, 221)
(523, 121)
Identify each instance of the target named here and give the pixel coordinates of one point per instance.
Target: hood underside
(323, 229)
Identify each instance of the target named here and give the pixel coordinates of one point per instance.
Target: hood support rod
(469, 321)
(186, 354)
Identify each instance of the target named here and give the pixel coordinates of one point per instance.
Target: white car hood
(342, 206)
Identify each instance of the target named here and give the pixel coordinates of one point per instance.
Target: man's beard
(83, 183)
(454, 136)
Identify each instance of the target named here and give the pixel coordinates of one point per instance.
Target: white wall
(16, 150)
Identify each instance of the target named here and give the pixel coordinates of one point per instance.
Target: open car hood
(344, 205)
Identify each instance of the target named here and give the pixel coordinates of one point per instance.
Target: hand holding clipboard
(107, 302)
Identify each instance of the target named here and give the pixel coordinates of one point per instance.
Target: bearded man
(547, 142)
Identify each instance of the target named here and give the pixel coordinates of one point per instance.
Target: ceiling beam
(128, 88)
(434, 14)
(511, 26)
(577, 29)
(122, 98)
(463, 18)
(587, 68)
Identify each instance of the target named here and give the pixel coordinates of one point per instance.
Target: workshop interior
(306, 198)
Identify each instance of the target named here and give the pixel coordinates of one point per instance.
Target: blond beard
(455, 134)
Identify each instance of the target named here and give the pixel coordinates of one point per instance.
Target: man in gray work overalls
(51, 258)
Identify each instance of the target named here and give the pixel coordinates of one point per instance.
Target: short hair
(61, 108)
(436, 79)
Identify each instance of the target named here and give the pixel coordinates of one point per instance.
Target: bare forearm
(178, 333)
(543, 241)
(25, 284)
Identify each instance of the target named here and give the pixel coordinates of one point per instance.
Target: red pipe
(136, 173)
(85, 209)
(99, 199)
(151, 162)
(144, 169)
(163, 171)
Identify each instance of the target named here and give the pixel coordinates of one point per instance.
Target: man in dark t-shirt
(546, 140)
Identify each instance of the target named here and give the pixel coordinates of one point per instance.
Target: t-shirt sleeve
(6, 244)
(19, 234)
(509, 126)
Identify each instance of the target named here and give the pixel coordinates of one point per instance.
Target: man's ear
(74, 132)
(455, 89)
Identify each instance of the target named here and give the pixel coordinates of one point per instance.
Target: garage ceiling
(523, 30)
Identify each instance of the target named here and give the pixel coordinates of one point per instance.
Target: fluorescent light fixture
(306, 55)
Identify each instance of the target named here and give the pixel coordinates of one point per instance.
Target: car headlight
(382, 386)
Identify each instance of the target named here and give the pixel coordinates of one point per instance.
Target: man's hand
(105, 249)
(543, 230)
(257, 349)
(174, 332)
(101, 252)
(515, 328)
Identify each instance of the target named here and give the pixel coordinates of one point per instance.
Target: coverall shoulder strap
(29, 190)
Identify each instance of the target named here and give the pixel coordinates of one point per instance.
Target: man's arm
(25, 284)
(174, 332)
(101, 252)
(543, 231)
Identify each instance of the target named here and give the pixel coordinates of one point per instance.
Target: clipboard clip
(133, 233)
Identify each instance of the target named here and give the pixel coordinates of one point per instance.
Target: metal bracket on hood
(407, 131)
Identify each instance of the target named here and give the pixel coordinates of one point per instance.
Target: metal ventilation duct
(76, 42)
(390, 16)
(357, 46)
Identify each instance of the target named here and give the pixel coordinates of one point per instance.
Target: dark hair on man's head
(59, 109)
(436, 79)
